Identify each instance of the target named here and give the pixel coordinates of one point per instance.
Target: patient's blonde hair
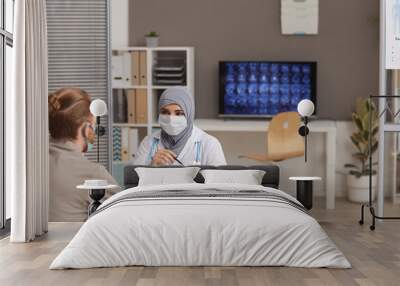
(68, 110)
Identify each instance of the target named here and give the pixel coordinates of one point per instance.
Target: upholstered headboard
(270, 179)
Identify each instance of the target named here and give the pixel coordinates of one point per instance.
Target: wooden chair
(283, 139)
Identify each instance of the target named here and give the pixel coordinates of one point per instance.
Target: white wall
(255, 142)
(119, 23)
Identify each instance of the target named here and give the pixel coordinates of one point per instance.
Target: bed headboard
(270, 179)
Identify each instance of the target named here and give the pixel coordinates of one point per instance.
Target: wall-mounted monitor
(264, 88)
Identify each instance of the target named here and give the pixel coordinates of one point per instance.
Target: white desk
(327, 127)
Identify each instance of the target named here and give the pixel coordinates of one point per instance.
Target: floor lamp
(98, 108)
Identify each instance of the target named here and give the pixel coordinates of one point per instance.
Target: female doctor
(179, 142)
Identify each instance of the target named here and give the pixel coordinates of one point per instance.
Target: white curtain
(27, 124)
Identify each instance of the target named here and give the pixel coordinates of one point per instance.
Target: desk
(327, 127)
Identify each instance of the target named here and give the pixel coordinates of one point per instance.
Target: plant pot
(358, 188)
(152, 42)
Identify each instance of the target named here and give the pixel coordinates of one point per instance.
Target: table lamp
(305, 108)
(98, 108)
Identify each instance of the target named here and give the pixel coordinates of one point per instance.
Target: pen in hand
(176, 159)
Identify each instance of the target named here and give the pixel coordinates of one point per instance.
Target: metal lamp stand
(303, 131)
(100, 131)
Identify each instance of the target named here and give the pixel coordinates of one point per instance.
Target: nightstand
(97, 190)
(304, 190)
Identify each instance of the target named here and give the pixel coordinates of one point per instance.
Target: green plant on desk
(152, 34)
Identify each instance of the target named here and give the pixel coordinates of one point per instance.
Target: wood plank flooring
(375, 257)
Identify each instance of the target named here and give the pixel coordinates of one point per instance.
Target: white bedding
(200, 231)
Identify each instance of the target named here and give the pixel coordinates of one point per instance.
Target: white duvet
(200, 231)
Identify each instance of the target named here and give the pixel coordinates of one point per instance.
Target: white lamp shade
(305, 107)
(98, 107)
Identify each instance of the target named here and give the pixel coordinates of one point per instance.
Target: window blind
(79, 54)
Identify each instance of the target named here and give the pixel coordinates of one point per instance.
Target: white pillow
(166, 176)
(248, 177)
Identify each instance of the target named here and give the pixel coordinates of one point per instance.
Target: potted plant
(152, 39)
(358, 176)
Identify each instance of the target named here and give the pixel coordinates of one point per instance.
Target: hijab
(182, 97)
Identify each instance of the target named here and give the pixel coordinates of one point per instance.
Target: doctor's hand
(163, 157)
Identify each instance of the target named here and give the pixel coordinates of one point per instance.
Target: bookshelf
(139, 75)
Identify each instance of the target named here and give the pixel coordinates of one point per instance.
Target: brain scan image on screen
(265, 88)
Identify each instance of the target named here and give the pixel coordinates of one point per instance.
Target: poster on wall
(392, 36)
(299, 17)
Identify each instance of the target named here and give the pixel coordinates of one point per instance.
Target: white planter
(358, 188)
(152, 42)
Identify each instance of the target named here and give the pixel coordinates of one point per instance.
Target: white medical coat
(200, 149)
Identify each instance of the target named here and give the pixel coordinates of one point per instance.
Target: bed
(198, 224)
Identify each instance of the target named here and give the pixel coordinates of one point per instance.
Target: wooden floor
(375, 257)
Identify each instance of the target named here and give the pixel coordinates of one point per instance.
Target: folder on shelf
(135, 67)
(143, 68)
(124, 144)
(127, 76)
(117, 70)
(133, 142)
(117, 144)
(131, 102)
(119, 106)
(141, 106)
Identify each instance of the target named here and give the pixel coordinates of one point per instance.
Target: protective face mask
(90, 146)
(172, 124)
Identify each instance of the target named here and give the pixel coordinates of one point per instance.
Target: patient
(71, 134)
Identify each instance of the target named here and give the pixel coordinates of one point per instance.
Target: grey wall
(346, 48)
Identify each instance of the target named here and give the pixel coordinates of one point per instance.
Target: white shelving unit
(155, 57)
(152, 57)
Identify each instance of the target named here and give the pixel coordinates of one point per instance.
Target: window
(6, 44)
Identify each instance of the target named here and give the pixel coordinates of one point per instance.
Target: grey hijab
(181, 97)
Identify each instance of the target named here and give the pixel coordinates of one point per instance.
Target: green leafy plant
(360, 138)
(152, 34)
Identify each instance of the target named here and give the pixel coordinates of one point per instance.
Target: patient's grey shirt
(69, 168)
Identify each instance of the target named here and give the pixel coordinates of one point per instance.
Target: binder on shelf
(121, 70)
(135, 67)
(131, 102)
(126, 69)
(117, 70)
(133, 142)
(119, 106)
(143, 68)
(141, 106)
(117, 144)
(124, 144)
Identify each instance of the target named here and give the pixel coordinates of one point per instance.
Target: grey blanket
(203, 194)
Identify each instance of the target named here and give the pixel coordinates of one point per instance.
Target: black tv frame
(221, 83)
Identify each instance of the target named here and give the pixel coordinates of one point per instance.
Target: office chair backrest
(283, 139)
